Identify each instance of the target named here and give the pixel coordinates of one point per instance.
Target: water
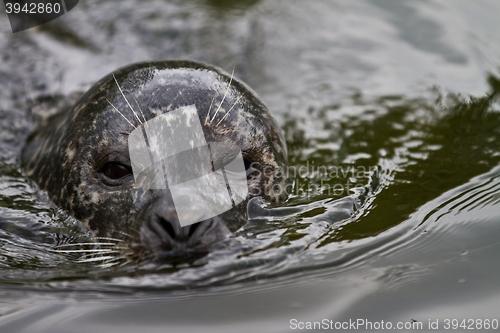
(398, 99)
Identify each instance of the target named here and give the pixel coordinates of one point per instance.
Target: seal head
(82, 157)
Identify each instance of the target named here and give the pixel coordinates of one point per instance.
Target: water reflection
(231, 4)
(421, 32)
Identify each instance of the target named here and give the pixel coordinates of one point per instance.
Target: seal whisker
(126, 100)
(94, 259)
(210, 108)
(117, 258)
(230, 109)
(112, 261)
(107, 265)
(93, 254)
(185, 101)
(110, 238)
(82, 244)
(124, 233)
(145, 122)
(123, 263)
(85, 251)
(114, 107)
(223, 98)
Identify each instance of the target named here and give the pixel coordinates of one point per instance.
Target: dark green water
(392, 117)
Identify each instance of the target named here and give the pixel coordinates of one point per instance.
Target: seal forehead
(162, 90)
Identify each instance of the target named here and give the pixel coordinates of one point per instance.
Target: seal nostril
(193, 228)
(168, 227)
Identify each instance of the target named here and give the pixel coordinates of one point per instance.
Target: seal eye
(115, 171)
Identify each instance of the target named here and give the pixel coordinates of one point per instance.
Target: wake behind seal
(83, 157)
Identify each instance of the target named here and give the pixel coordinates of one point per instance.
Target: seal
(82, 157)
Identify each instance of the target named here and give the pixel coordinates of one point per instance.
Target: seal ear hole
(115, 171)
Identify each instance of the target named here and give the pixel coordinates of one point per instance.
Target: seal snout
(163, 235)
(170, 231)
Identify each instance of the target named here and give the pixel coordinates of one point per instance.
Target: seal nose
(164, 236)
(162, 233)
(175, 231)
(167, 228)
